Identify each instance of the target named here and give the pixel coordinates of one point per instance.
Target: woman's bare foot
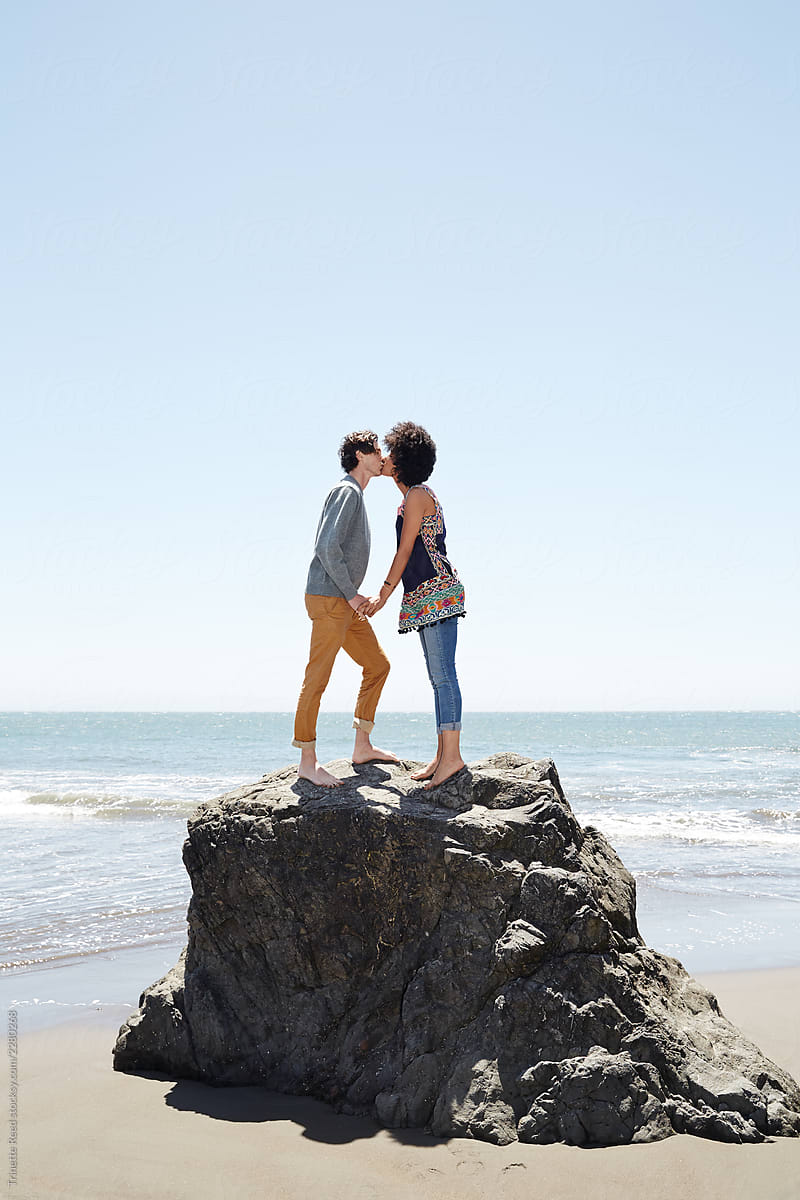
(446, 769)
(311, 770)
(426, 772)
(374, 754)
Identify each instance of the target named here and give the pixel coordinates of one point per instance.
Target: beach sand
(86, 1131)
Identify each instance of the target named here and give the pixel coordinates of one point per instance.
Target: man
(333, 602)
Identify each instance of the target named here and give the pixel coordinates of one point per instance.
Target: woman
(433, 596)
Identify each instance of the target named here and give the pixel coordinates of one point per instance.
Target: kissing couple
(433, 600)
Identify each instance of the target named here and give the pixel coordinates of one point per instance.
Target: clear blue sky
(566, 238)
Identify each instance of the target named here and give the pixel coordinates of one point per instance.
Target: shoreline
(83, 1128)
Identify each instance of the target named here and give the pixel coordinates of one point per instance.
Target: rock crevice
(467, 961)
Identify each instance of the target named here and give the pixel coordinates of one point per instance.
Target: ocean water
(703, 808)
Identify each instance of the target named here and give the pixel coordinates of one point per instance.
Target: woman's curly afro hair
(413, 452)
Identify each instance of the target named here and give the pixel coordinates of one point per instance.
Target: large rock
(467, 961)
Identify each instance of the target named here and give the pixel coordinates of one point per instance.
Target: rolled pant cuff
(362, 723)
(449, 726)
(304, 745)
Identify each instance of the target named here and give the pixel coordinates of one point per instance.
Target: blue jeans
(439, 648)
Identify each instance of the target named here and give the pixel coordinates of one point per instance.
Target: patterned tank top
(432, 590)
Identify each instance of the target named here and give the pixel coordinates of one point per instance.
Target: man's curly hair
(413, 452)
(363, 440)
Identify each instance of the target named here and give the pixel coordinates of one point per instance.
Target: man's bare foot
(446, 769)
(319, 776)
(373, 754)
(426, 772)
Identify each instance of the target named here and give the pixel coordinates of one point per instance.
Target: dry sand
(85, 1131)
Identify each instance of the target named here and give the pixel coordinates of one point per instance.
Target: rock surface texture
(466, 960)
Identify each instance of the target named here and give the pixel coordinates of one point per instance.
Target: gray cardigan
(341, 552)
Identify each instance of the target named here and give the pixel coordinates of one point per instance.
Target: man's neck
(361, 476)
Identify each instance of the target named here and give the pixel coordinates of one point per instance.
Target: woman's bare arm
(418, 505)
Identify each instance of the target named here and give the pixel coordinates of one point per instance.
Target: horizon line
(477, 712)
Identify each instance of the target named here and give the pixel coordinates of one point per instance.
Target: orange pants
(334, 627)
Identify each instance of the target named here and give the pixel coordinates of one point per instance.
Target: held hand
(377, 602)
(358, 604)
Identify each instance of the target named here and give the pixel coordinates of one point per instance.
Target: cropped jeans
(439, 648)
